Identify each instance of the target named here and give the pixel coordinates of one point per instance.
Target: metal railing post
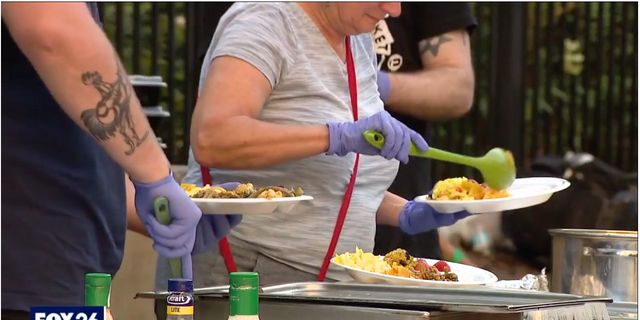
(507, 115)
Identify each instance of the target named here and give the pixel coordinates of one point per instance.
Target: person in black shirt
(72, 127)
(426, 75)
(425, 58)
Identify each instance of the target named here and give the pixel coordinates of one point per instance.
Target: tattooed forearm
(432, 45)
(111, 115)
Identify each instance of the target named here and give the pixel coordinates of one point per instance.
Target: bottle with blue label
(180, 299)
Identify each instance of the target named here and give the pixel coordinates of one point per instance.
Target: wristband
(384, 87)
(458, 256)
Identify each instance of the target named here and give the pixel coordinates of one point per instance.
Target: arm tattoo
(432, 45)
(112, 113)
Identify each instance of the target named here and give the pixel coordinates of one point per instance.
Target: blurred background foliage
(580, 90)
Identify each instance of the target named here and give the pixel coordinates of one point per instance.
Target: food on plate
(190, 189)
(465, 189)
(243, 191)
(401, 257)
(363, 261)
(397, 263)
(441, 266)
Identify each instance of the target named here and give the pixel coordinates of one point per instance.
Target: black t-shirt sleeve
(431, 19)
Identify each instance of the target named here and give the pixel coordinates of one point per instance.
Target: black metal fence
(551, 77)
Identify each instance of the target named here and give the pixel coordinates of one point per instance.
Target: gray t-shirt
(310, 86)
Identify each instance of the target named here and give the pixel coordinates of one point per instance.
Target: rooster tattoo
(112, 114)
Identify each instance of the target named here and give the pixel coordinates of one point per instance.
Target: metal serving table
(324, 301)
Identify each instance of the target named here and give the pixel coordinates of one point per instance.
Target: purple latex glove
(347, 137)
(177, 239)
(419, 217)
(384, 86)
(213, 227)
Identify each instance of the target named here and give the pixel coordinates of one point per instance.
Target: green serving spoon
(497, 166)
(161, 208)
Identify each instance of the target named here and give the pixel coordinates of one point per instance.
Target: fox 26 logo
(68, 313)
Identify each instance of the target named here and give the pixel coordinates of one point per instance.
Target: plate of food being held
(245, 199)
(399, 268)
(457, 194)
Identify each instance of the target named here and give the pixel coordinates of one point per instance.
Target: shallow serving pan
(406, 297)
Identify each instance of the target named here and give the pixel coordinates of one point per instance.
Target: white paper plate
(525, 192)
(468, 276)
(249, 206)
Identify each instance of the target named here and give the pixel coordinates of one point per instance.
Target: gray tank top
(310, 86)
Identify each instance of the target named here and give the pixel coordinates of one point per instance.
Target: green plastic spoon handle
(161, 208)
(442, 155)
(376, 139)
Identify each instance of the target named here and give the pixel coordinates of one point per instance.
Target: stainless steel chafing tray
(407, 297)
(445, 299)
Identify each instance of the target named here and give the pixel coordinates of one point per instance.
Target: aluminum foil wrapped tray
(528, 282)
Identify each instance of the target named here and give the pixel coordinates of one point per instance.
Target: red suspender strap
(346, 201)
(225, 251)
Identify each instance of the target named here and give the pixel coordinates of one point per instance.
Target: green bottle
(243, 295)
(97, 291)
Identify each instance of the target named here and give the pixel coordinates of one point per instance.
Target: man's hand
(177, 239)
(210, 229)
(444, 88)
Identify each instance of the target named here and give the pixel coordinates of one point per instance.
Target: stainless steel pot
(595, 263)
